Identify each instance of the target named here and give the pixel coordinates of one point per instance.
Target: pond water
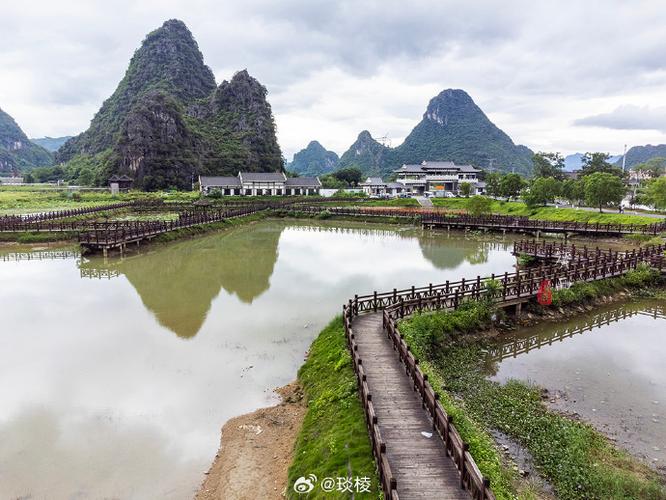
(116, 375)
(607, 366)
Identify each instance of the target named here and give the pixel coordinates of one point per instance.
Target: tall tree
(543, 190)
(598, 162)
(352, 175)
(574, 191)
(602, 188)
(548, 165)
(493, 180)
(465, 189)
(656, 192)
(511, 185)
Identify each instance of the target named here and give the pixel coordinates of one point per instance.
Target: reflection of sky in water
(612, 375)
(100, 397)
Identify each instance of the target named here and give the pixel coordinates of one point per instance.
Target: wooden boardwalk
(419, 464)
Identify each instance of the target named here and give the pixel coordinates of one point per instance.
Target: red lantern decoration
(545, 293)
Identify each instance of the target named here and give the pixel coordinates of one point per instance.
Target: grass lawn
(334, 440)
(548, 213)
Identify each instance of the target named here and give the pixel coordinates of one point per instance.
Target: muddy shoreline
(256, 451)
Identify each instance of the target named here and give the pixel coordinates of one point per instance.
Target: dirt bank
(256, 451)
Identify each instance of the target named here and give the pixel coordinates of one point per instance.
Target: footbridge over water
(399, 401)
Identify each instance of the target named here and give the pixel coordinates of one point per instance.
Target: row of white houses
(260, 184)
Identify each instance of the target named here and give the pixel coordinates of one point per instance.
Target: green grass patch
(582, 292)
(365, 202)
(576, 459)
(23, 237)
(334, 440)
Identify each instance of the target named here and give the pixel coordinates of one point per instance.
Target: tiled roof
(436, 165)
(220, 181)
(395, 185)
(374, 181)
(302, 182)
(410, 169)
(262, 176)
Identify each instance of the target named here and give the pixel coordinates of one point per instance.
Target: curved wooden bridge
(418, 450)
(105, 235)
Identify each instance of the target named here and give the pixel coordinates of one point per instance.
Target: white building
(437, 176)
(260, 184)
(375, 186)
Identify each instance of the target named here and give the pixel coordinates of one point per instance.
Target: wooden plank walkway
(419, 464)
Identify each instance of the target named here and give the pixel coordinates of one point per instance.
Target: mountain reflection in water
(179, 282)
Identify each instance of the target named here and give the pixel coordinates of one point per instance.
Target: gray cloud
(334, 68)
(628, 117)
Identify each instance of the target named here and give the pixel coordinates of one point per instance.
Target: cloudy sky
(556, 76)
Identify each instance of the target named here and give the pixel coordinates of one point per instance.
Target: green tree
(602, 188)
(598, 162)
(86, 177)
(511, 185)
(542, 191)
(656, 192)
(479, 205)
(465, 189)
(548, 165)
(28, 178)
(573, 191)
(493, 184)
(331, 182)
(352, 175)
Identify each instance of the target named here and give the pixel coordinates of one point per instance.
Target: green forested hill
(17, 152)
(313, 160)
(641, 154)
(167, 121)
(453, 128)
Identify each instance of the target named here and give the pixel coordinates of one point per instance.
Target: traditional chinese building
(437, 176)
(260, 184)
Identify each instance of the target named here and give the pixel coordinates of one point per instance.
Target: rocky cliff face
(314, 160)
(17, 152)
(453, 128)
(167, 121)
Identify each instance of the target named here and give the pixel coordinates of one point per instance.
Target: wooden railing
(62, 214)
(524, 223)
(108, 235)
(559, 250)
(505, 289)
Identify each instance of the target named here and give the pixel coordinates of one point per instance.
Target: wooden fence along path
(62, 214)
(106, 235)
(438, 219)
(390, 378)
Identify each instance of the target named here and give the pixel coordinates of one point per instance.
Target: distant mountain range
(17, 153)
(453, 128)
(51, 144)
(167, 121)
(641, 154)
(575, 161)
(313, 160)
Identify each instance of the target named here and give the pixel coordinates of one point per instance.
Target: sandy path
(256, 451)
